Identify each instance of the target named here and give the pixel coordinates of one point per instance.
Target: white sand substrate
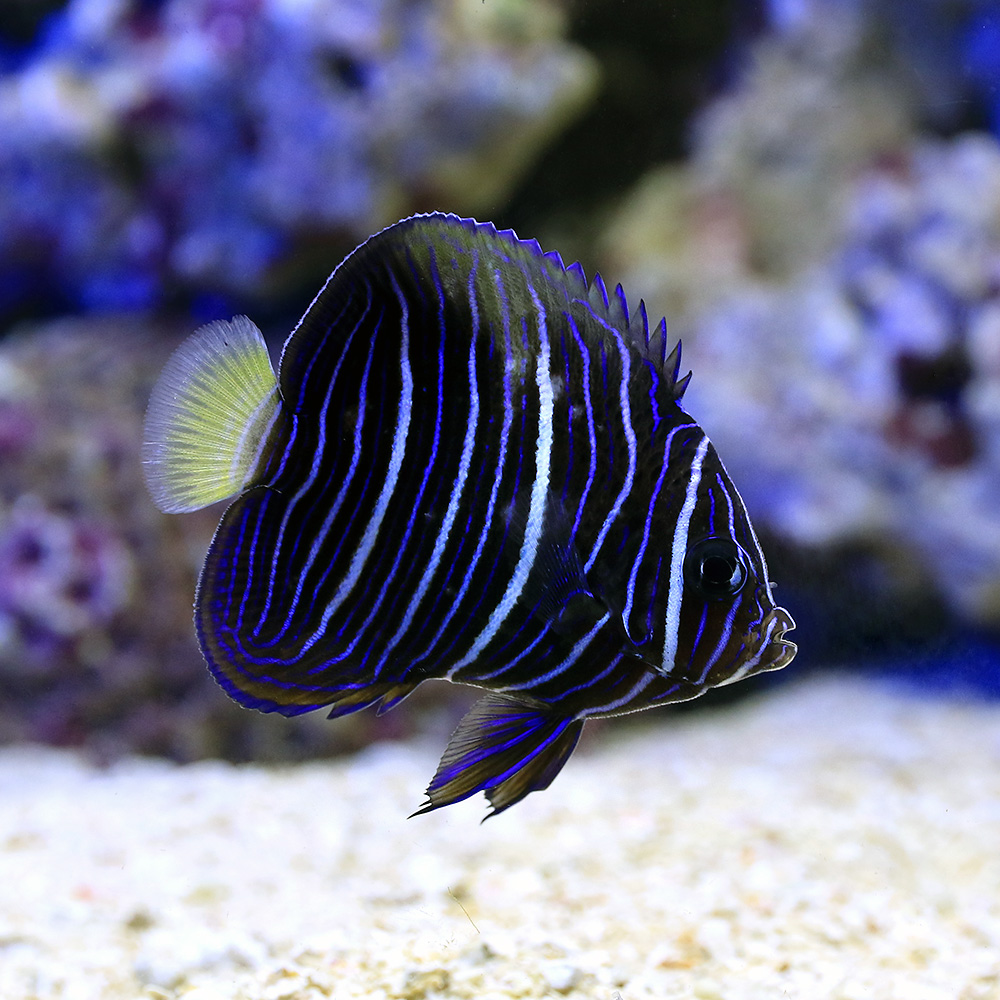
(837, 839)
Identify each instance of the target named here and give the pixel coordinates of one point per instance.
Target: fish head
(730, 626)
(723, 623)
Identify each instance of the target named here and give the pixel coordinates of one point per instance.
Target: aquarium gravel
(834, 839)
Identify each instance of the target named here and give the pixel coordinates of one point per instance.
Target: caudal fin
(214, 417)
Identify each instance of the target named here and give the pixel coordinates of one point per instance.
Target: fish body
(471, 465)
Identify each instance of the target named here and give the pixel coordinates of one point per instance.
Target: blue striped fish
(472, 465)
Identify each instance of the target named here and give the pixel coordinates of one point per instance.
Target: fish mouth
(780, 651)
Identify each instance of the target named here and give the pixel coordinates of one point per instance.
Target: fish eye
(716, 568)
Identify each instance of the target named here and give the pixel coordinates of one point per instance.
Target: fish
(472, 465)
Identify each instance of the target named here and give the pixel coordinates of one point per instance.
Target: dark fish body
(472, 466)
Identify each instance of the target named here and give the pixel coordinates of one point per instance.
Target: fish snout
(778, 651)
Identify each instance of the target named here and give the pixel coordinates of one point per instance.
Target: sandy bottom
(836, 840)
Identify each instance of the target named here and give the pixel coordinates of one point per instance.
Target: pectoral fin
(557, 589)
(504, 748)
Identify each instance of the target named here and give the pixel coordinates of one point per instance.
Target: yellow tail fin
(213, 417)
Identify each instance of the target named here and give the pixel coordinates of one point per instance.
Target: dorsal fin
(619, 307)
(214, 417)
(598, 293)
(555, 257)
(644, 321)
(672, 364)
(576, 270)
(635, 326)
(411, 245)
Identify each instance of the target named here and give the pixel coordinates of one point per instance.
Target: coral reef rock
(200, 143)
(864, 397)
(836, 280)
(762, 191)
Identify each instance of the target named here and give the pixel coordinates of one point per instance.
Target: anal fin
(538, 774)
(504, 748)
(394, 696)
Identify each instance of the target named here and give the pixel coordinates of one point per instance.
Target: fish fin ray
(537, 774)
(641, 324)
(394, 695)
(387, 694)
(576, 270)
(635, 326)
(668, 363)
(619, 307)
(599, 294)
(497, 738)
(213, 417)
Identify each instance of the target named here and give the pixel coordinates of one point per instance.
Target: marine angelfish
(472, 465)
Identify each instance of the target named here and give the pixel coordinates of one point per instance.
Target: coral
(761, 193)
(862, 397)
(97, 646)
(154, 150)
(948, 51)
(834, 86)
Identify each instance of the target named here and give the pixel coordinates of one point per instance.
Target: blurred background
(809, 190)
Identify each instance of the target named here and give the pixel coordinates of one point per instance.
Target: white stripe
(404, 411)
(677, 553)
(751, 663)
(664, 466)
(539, 495)
(313, 472)
(626, 415)
(729, 504)
(456, 494)
(644, 681)
(559, 668)
(508, 418)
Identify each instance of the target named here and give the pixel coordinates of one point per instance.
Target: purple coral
(60, 577)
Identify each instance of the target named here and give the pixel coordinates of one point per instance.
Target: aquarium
(353, 492)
